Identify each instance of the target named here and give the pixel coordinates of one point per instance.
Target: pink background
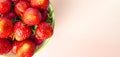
(85, 28)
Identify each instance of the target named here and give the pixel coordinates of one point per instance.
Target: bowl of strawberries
(25, 26)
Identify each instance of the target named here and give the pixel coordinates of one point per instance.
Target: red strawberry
(5, 6)
(41, 4)
(36, 41)
(6, 27)
(10, 15)
(27, 1)
(25, 48)
(21, 31)
(15, 1)
(44, 30)
(44, 16)
(21, 6)
(31, 17)
(5, 46)
(15, 46)
(10, 38)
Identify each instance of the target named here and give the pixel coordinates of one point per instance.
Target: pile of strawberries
(23, 26)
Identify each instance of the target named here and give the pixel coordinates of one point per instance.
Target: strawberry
(5, 6)
(5, 46)
(10, 15)
(20, 7)
(10, 38)
(36, 40)
(15, 46)
(6, 27)
(25, 48)
(28, 0)
(15, 1)
(40, 4)
(44, 16)
(31, 17)
(21, 31)
(44, 30)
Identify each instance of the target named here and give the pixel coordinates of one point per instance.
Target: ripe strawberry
(44, 16)
(36, 40)
(15, 1)
(25, 48)
(5, 46)
(10, 38)
(44, 30)
(31, 17)
(5, 6)
(10, 15)
(21, 6)
(40, 4)
(28, 1)
(15, 46)
(6, 27)
(21, 31)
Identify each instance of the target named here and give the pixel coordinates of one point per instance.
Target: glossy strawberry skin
(20, 7)
(40, 4)
(26, 48)
(21, 31)
(15, 46)
(31, 17)
(5, 46)
(5, 6)
(6, 27)
(44, 30)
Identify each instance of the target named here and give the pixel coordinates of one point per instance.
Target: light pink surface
(85, 28)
